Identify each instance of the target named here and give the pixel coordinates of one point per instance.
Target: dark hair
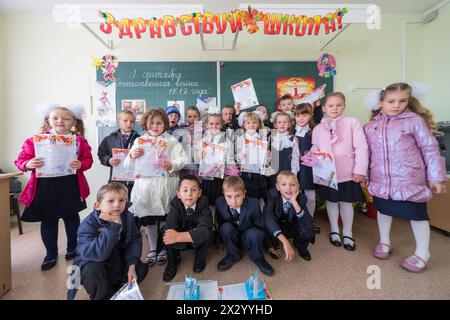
(189, 177)
(305, 108)
(152, 113)
(194, 108)
(111, 187)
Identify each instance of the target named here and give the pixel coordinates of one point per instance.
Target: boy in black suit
(123, 138)
(241, 224)
(188, 226)
(286, 216)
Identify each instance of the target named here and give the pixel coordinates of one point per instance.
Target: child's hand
(275, 251)
(131, 274)
(237, 107)
(75, 164)
(358, 178)
(166, 165)
(113, 162)
(34, 163)
(110, 217)
(288, 250)
(136, 153)
(365, 183)
(170, 236)
(438, 187)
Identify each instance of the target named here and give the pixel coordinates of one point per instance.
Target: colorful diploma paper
(149, 165)
(244, 92)
(57, 151)
(213, 162)
(119, 173)
(128, 292)
(324, 169)
(254, 152)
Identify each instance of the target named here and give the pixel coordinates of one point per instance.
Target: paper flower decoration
(326, 66)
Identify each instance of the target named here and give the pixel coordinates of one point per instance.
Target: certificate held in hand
(149, 164)
(244, 93)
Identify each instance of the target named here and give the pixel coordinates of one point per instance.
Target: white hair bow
(44, 109)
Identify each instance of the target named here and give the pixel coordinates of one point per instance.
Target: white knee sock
(311, 203)
(384, 227)
(333, 216)
(347, 214)
(421, 230)
(152, 236)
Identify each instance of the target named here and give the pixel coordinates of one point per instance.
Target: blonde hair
(414, 105)
(233, 183)
(78, 127)
(111, 187)
(282, 114)
(253, 116)
(127, 112)
(213, 115)
(287, 174)
(153, 113)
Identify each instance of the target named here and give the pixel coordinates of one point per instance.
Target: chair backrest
(15, 186)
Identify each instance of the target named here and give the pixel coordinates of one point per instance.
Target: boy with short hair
(286, 216)
(174, 115)
(109, 245)
(188, 226)
(241, 224)
(123, 138)
(230, 117)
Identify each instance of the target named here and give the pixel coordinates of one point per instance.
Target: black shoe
(335, 242)
(48, 263)
(169, 273)
(265, 268)
(316, 228)
(348, 246)
(313, 239)
(199, 267)
(71, 255)
(225, 264)
(305, 254)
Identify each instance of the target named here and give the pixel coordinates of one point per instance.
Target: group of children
(395, 155)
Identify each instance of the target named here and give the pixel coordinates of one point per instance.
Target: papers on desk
(208, 291)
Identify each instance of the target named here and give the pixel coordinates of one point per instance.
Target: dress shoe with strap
(349, 246)
(336, 243)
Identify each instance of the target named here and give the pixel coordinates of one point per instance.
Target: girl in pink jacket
(344, 138)
(405, 166)
(51, 198)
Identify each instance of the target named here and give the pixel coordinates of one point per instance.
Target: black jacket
(114, 140)
(199, 225)
(250, 214)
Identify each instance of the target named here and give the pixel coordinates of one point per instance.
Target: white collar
(127, 133)
(301, 131)
(193, 207)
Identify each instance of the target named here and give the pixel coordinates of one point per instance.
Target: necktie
(190, 211)
(286, 206)
(125, 140)
(235, 215)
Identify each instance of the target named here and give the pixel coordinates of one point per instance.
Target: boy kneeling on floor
(109, 245)
(188, 226)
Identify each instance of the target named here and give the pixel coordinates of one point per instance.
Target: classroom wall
(46, 61)
(437, 68)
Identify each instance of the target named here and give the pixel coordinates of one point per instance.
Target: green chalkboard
(160, 82)
(264, 75)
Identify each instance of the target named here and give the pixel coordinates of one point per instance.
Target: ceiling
(387, 6)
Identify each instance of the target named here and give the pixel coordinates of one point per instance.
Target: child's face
(283, 124)
(155, 125)
(214, 125)
(334, 107)
(189, 192)
(264, 111)
(61, 120)
(394, 102)
(126, 122)
(302, 119)
(113, 203)
(250, 125)
(192, 116)
(234, 198)
(227, 115)
(173, 119)
(288, 186)
(286, 105)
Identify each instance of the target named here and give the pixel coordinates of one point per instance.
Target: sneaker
(150, 260)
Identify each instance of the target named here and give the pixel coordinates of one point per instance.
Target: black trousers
(302, 231)
(49, 234)
(173, 252)
(102, 279)
(251, 240)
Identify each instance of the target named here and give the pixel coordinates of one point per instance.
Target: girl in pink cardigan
(344, 138)
(405, 166)
(49, 199)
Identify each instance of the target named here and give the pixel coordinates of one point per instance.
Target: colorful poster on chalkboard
(105, 97)
(297, 87)
(138, 106)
